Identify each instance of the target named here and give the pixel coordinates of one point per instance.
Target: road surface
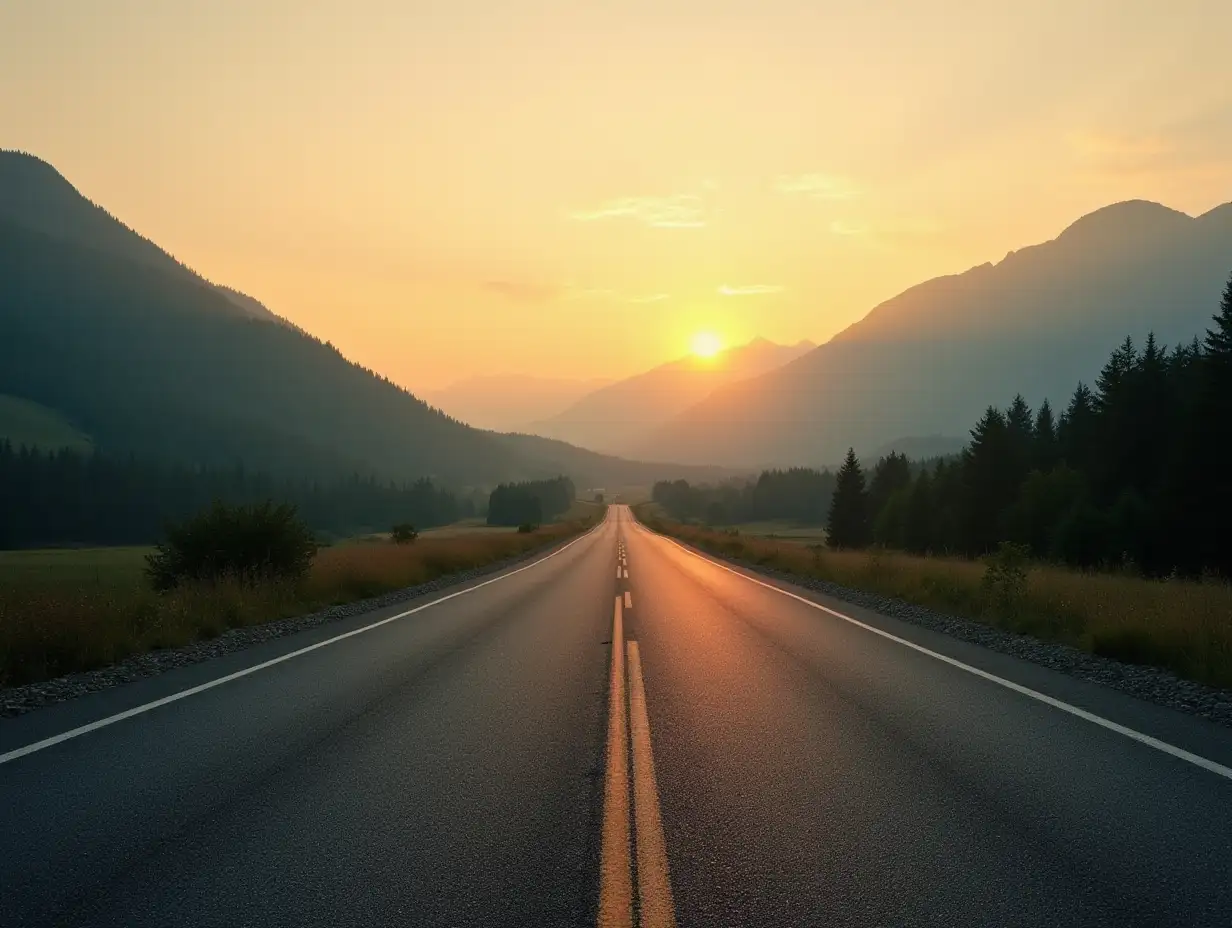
(623, 733)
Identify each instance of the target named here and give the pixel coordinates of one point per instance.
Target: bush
(403, 533)
(244, 544)
(1005, 574)
(525, 528)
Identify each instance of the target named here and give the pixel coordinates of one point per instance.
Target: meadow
(1183, 626)
(68, 610)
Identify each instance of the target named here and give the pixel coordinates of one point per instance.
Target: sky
(577, 188)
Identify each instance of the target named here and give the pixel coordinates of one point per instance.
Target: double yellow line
(628, 724)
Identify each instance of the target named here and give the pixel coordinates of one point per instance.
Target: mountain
(620, 415)
(34, 196)
(102, 328)
(509, 401)
(929, 360)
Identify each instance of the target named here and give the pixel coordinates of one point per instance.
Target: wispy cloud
(679, 211)
(523, 291)
(817, 186)
(841, 227)
(749, 290)
(649, 298)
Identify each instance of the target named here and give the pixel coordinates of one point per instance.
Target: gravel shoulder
(19, 700)
(1152, 684)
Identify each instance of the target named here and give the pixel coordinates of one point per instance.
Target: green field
(77, 568)
(26, 423)
(791, 531)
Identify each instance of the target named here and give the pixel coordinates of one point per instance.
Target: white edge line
(628, 600)
(1179, 753)
(201, 688)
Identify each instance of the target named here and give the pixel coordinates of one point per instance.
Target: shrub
(1005, 574)
(525, 528)
(245, 544)
(403, 533)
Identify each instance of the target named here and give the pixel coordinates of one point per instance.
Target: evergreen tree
(1046, 448)
(891, 474)
(990, 481)
(1076, 433)
(849, 525)
(919, 525)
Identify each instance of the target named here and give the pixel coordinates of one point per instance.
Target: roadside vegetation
(1181, 625)
(63, 611)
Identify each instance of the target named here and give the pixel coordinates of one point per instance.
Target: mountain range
(510, 402)
(141, 355)
(623, 414)
(930, 360)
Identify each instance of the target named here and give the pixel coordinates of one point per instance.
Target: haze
(578, 190)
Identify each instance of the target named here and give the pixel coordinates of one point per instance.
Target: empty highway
(620, 733)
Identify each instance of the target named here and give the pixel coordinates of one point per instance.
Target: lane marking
(626, 573)
(617, 571)
(654, 885)
(615, 863)
(1163, 746)
(628, 600)
(209, 685)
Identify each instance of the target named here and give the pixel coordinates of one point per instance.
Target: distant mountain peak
(1125, 219)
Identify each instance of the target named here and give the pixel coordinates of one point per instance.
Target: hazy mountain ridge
(510, 402)
(145, 357)
(621, 414)
(930, 359)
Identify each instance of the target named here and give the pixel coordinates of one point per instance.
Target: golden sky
(577, 187)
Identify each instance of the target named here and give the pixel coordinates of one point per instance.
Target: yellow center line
(654, 887)
(615, 864)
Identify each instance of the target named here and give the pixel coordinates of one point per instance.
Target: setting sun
(706, 344)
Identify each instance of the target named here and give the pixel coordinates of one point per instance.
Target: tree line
(798, 493)
(66, 497)
(531, 502)
(1131, 474)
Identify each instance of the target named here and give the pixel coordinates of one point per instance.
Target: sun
(706, 344)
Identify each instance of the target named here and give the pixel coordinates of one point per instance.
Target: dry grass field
(68, 610)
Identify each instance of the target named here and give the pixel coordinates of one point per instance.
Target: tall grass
(49, 630)
(1183, 626)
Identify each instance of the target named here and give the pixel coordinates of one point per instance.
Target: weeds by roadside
(47, 631)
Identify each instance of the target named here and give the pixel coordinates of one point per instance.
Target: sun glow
(706, 344)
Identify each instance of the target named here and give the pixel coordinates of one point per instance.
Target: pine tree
(919, 528)
(1046, 450)
(892, 473)
(1076, 434)
(991, 481)
(849, 525)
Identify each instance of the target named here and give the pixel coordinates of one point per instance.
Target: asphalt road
(741, 757)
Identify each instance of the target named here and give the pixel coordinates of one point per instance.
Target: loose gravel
(21, 699)
(1149, 683)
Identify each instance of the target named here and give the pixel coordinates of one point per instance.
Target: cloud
(649, 298)
(817, 186)
(522, 291)
(680, 211)
(750, 290)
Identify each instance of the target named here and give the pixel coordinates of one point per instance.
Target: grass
(65, 611)
(1183, 626)
(25, 423)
